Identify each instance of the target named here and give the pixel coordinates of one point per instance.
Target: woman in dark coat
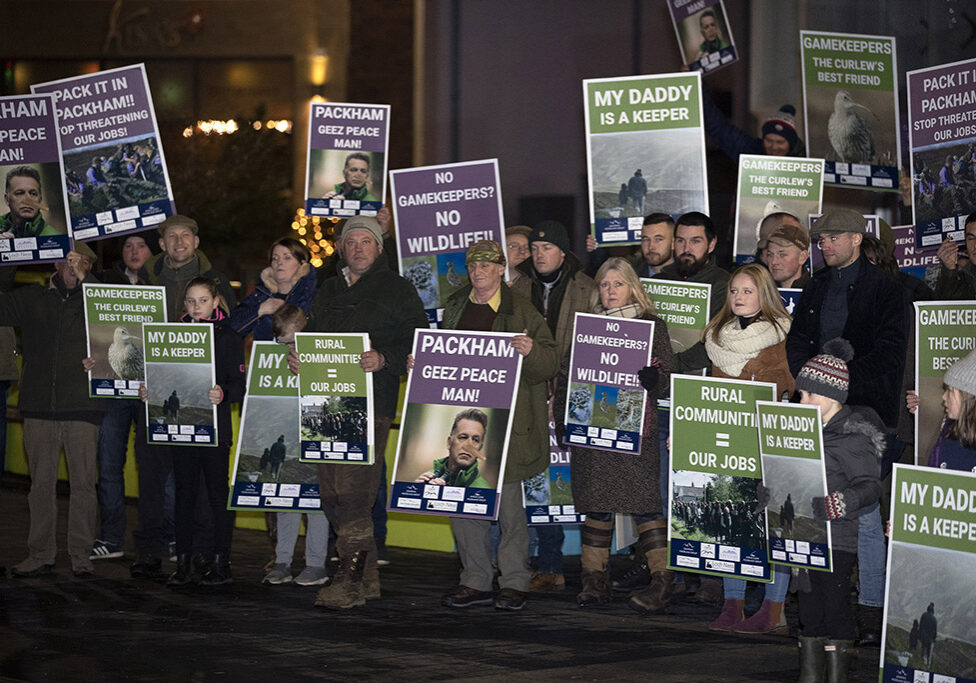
(605, 483)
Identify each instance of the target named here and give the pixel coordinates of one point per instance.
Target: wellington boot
(656, 597)
(730, 618)
(181, 576)
(347, 589)
(596, 589)
(812, 659)
(219, 573)
(769, 619)
(839, 654)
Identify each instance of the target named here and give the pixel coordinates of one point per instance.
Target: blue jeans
(550, 549)
(871, 558)
(113, 441)
(735, 589)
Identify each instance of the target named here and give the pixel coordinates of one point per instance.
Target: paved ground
(111, 627)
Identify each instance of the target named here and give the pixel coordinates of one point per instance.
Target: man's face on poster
(465, 444)
(355, 172)
(23, 196)
(709, 27)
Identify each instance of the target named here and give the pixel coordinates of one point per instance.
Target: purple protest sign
(33, 222)
(703, 33)
(942, 137)
(440, 211)
(457, 418)
(113, 159)
(548, 496)
(605, 405)
(910, 258)
(346, 163)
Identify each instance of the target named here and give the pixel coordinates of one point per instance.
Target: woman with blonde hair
(747, 340)
(605, 483)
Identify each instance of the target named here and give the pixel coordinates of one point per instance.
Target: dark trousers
(188, 464)
(826, 609)
(113, 442)
(154, 464)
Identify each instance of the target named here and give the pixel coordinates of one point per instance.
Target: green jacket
(385, 306)
(468, 476)
(175, 280)
(528, 445)
(362, 194)
(52, 325)
(36, 227)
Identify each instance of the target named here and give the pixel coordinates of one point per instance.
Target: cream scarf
(737, 346)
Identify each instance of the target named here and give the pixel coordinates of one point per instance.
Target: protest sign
(645, 151)
(267, 474)
(345, 169)
(942, 137)
(911, 258)
(457, 420)
(336, 397)
(34, 224)
(790, 298)
(850, 108)
(548, 496)
(684, 306)
(605, 400)
(703, 34)
(769, 185)
(440, 211)
(791, 447)
(114, 315)
(928, 617)
(113, 157)
(179, 376)
(816, 256)
(713, 526)
(945, 331)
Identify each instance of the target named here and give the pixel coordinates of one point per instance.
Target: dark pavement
(111, 627)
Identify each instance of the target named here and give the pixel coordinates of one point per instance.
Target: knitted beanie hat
(826, 374)
(551, 231)
(782, 123)
(962, 374)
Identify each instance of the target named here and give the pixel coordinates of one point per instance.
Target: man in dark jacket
(57, 411)
(365, 296)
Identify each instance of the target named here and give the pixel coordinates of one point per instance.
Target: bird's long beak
(867, 110)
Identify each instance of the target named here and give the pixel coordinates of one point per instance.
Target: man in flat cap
(786, 255)
(486, 304)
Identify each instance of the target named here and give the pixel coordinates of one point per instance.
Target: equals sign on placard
(332, 373)
(722, 439)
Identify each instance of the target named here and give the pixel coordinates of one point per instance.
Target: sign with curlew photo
(850, 108)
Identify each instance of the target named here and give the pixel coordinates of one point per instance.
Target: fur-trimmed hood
(267, 278)
(862, 420)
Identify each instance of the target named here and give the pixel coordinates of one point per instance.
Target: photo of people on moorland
(944, 180)
(931, 611)
(178, 393)
(716, 508)
(792, 484)
(269, 446)
(124, 173)
(334, 418)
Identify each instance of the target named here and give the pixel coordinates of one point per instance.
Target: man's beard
(687, 265)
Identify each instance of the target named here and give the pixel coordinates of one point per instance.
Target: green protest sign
(929, 603)
(336, 397)
(791, 446)
(179, 376)
(684, 306)
(714, 527)
(114, 315)
(945, 331)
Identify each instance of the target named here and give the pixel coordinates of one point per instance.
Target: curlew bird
(850, 135)
(452, 277)
(125, 356)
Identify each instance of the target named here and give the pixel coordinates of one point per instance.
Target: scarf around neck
(737, 346)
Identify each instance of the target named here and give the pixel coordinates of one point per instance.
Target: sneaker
(103, 550)
(510, 600)
(382, 560)
(279, 574)
(312, 576)
(462, 596)
(544, 581)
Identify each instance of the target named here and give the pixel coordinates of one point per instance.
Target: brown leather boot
(596, 590)
(347, 589)
(595, 538)
(653, 540)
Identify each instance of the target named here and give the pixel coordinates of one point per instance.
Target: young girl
(201, 302)
(747, 340)
(852, 449)
(956, 446)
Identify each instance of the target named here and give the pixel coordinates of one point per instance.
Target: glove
(648, 378)
(830, 507)
(763, 495)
